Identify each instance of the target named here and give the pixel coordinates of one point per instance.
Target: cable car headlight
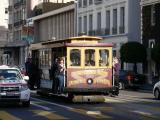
(90, 81)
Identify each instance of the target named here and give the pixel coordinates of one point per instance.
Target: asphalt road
(129, 105)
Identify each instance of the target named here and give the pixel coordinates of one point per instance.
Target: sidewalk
(147, 87)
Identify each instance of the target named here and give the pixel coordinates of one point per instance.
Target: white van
(13, 86)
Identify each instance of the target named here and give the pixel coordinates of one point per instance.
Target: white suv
(13, 86)
(156, 90)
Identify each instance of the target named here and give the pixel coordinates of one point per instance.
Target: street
(129, 105)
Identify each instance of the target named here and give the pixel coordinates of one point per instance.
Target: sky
(4, 17)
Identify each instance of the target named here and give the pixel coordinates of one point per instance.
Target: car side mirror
(26, 78)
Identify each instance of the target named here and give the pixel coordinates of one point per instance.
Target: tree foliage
(133, 52)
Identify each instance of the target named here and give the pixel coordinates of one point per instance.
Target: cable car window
(75, 57)
(104, 57)
(89, 57)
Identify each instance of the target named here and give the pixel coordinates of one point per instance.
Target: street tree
(133, 52)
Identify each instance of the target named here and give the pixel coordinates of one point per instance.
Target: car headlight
(24, 87)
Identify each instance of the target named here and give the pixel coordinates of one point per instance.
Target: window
(90, 22)
(89, 57)
(151, 43)
(45, 58)
(107, 31)
(23, 14)
(75, 57)
(6, 10)
(122, 20)
(104, 57)
(10, 74)
(90, 2)
(114, 53)
(79, 3)
(85, 3)
(80, 25)
(114, 29)
(85, 25)
(99, 20)
(153, 15)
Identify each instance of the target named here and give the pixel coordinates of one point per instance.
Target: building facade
(150, 31)
(19, 11)
(19, 27)
(4, 13)
(117, 21)
(55, 25)
(3, 31)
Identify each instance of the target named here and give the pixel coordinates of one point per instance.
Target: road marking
(104, 108)
(59, 105)
(113, 100)
(156, 109)
(43, 107)
(146, 114)
(49, 115)
(6, 116)
(94, 114)
(129, 99)
(138, 98)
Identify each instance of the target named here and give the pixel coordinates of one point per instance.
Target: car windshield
(10, 74)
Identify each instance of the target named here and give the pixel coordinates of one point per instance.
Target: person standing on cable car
(61, 74)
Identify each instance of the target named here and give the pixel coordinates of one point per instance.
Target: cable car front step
(90, 98)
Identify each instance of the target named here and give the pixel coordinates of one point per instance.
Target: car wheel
(121, 86)
(26, 103)
(157, 94)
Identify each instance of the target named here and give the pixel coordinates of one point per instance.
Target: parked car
(130, 79)
(156, 90)
(13, 86)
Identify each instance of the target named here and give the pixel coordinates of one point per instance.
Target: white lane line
(141, 112)
(146, 114)
(130, 98)
(94, 112)
(43, 107)
(52, 103)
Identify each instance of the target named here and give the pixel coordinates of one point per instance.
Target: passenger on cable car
(61, 74)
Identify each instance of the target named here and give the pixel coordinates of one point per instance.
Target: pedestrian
(38, 73)
(30, 71)
(53, 75)
(116, 69)
(27, 65)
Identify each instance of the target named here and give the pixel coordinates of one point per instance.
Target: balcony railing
(100, 32)
(18, 4)
(114, 30)
(107, 31)
(98, 1)
(91, 32)
(19, 23)
(121, 29)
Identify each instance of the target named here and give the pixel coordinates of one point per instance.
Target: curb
(145, 90)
